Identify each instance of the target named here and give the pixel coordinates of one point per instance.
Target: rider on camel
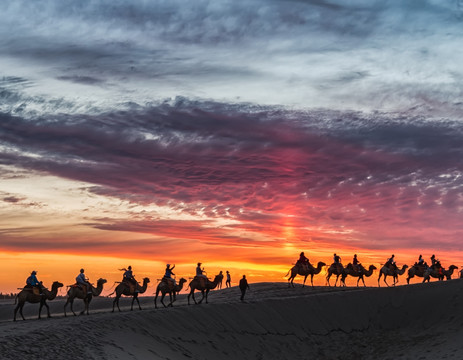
(128, 276)
(168, 274)
(390, 263)
(33, 282)
(303, 261)
(337, 261)
(435, 263)
(200, 272)
(83, 282)
(356, 264)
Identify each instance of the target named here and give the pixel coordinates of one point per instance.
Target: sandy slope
(423, 321)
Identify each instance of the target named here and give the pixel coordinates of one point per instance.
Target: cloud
(266, 170)
(362, 55)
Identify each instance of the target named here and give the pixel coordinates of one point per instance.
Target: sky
(235, 133)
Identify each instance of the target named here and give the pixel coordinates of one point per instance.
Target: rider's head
(199, 264)
(82, 270)
(302, 253)
(34, 272)
(130, 268)
(355, 255)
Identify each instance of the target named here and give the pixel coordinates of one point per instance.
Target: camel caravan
(303, 267)
(35, 292)
(82, 289)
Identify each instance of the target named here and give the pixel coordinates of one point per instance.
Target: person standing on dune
(243, 287)
(228, 281)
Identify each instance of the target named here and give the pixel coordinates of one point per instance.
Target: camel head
(56, 285)
(146, 280)
(182, 281)
(453, 267)
(101, 281)
(372, 267)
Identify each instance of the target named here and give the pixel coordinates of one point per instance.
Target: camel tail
(288, 272)
(112, 293)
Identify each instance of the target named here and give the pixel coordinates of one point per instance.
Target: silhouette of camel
(304, 271)
(27, 295)
(386, 271)
(164, 289)
(124, 289)
(349, 270)
(77, 292)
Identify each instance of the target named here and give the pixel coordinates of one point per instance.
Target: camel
(416, 270)
(27, 295)
(448, 273)
(337, 270)
(78, 292)
(163, 287)
(304, 271)
(204, 287)
(349, 270)
(386, 271)
(437, 274)
(124, 289)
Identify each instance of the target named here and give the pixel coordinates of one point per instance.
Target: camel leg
(162, 299)
(207, 292)
(20, 308)
(305, 278)
(138, 301)
(202, 293)
(116, 302)
(336, 282)
(155, 299)
(72, 307)
(311, 279)
(328, 279)
(384, 278)
(379, 278)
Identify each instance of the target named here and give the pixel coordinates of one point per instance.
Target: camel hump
(169, 282)
(201, 280)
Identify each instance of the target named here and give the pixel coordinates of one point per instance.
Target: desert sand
(420, 321)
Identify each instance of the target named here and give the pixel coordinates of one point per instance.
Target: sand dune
(422, 321)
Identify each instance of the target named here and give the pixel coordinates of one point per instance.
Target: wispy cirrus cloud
(259, 169)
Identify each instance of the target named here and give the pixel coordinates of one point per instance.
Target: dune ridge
(421, 321)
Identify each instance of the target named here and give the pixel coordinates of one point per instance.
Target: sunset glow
(127, 137)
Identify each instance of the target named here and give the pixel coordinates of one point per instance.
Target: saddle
(35, 289)
(131, 285)
(202, 280)
(303, 266)
(169, 282)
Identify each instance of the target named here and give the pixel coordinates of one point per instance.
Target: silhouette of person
(83, 282)
(228, 281)
(243, 287)
(421, 260)
(199, 271)
(33, 282)
(356, 263)
(219, 284)
(168, 274)
(302, 260)
(391, 262)
(128, 276)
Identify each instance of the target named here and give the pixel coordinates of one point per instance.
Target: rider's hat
(33, 272)
(200, 263)
(130, 268)
(168, 265)
(82, 270)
